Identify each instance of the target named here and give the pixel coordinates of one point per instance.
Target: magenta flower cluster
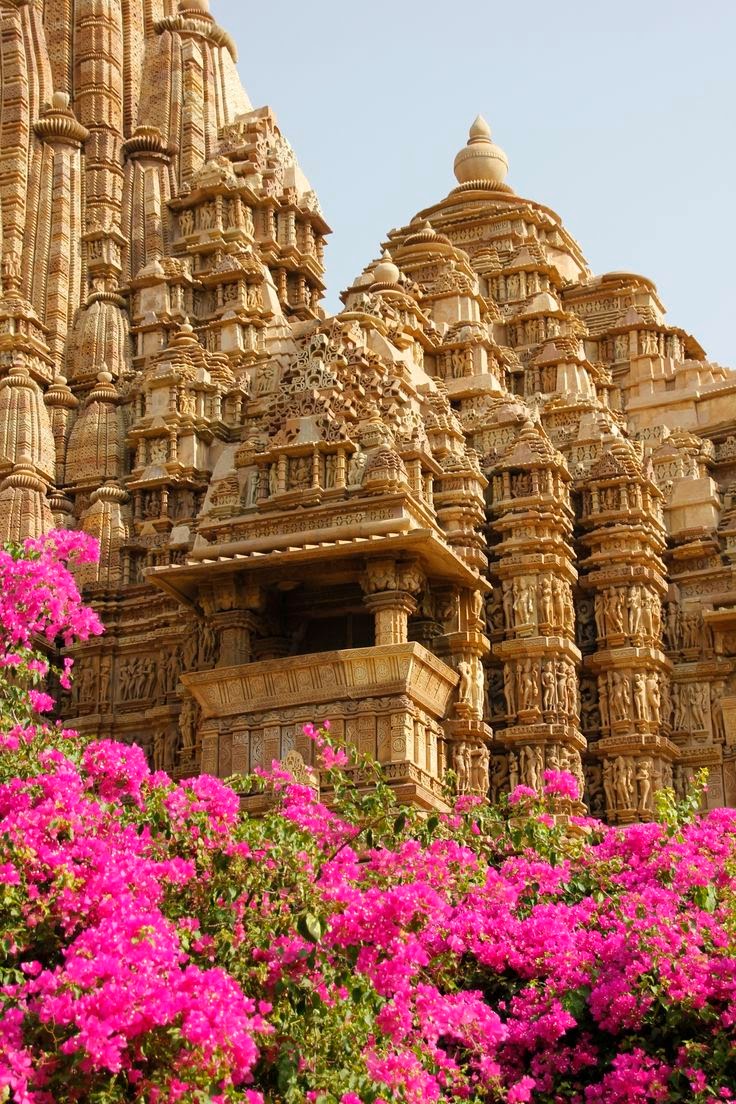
(157, 945)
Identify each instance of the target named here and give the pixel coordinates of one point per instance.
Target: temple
(483, 519)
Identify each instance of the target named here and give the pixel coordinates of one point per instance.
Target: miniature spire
(386, 272)
(480, 159)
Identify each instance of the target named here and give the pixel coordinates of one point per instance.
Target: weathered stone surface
(494, 490)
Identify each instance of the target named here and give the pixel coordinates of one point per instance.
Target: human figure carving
(603, 702)
(623, 782)
(513, 771)
(546, 600)
(480, 762)
(508, 603)
(549, 687)
(716, 709)
(609, 786)
(672, 630)
(356, 468)
(635, 610)
(620, 700)
(600, 617)
(529, 696)
(463, 767)
(465, 688)
(640, 696)
(571, 688)
(559, 587)
(696, 707)
(644, 784)
(509, 688)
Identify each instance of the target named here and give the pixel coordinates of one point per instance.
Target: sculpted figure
(159, 750)
(635, 610)
(716, 712)
(463, 768)
(105, 681)
(600, 617)
(571, 687)
(696, 707)
(546, 600)
(680, 706)
(465, 689)
(549, 687)
(620, 700)
(654, 701)
(559, 587)
(186, 222)
(532, 766)
(603, 702)
(513, 771)
(644, 784)
(640, 696)
(609, 786)
(480, 763)
(500, 775)
(648, 613)
(623, 782)
(251, 488)
(273, 479)
(508, 603)
(655, 607)
(672, 631)
(356, 468)
(509, 688)
(530, 685)
(666, 702)
(614, 612)
(561, 676)
(476, 607)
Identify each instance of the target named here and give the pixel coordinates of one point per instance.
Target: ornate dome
(25, 428)
(96, 444)
(480, 159)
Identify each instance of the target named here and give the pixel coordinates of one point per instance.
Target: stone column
(235, 631)
(391, 610)
(389, 588)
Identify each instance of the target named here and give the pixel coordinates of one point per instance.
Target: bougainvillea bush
(157, 946)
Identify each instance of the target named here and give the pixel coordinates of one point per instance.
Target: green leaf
(310, 927)
(400, 823)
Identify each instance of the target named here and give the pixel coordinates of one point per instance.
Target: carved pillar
(235, 630)
(623, 540)
(391, 610)
(537, 695)
(389, 590)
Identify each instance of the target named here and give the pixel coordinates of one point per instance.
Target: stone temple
(483, 519)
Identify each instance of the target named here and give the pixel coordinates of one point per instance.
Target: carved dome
(24, 508)
(100, 335)
(105, 521)
(96, 444)
(25, 427)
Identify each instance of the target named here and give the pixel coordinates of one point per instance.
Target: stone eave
(437, 559)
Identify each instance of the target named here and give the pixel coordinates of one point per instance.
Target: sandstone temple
(483, 519)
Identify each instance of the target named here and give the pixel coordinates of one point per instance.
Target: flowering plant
(156, 945)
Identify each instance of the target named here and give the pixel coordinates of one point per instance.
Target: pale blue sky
(620, 116)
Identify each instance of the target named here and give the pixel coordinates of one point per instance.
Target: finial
(480, 130)
(386, 272)
(480, 159)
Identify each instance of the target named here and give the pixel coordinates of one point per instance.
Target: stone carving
(170, 384)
